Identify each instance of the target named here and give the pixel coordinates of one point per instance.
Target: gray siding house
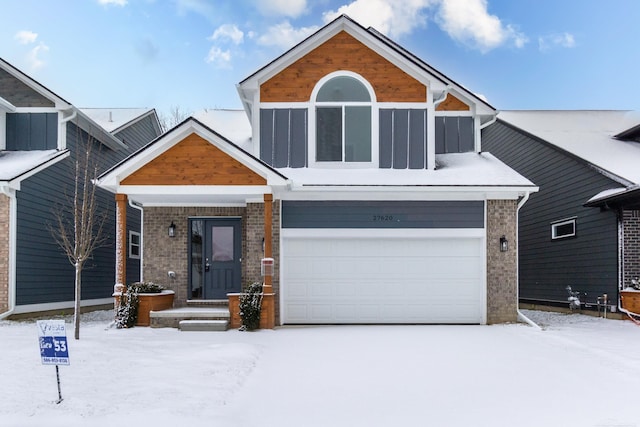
(578, 229)
(39, 136)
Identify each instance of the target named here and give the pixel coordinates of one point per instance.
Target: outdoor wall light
(504, 244)
(172, 230)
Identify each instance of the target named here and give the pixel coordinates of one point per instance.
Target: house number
(383, 217)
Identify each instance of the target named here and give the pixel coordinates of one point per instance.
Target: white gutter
(490, 122)
(438, 101)
(11, 279)
(141, 235)
(521, 316)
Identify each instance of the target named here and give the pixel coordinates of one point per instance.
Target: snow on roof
(588, 135)
(465, 170)
(232, 124)
(14, 164)
(111, 119)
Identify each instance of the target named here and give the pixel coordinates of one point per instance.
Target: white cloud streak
(287, 8)
(228, 32)
(565, 40)
(470, 23)
(25, 37)
(284, 35)
(34, 56)
(218, 57)
(120, 3)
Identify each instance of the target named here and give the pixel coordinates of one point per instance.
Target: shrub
(250, 303)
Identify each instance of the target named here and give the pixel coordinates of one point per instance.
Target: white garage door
(343, 276)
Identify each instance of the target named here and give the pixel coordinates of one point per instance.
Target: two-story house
(40, 133)
(358, 168)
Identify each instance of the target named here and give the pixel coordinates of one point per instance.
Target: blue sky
(519, 54)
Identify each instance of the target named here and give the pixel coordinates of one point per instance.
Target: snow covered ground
(578, 371)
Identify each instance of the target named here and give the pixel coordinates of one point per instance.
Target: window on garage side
(563, 229)
(134, 245)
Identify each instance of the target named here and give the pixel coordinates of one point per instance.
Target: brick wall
(163, 254)
(502, 276)
(4, 252)
(631, 257)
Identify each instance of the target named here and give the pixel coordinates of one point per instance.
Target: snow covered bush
(250, 304)
(127, 311)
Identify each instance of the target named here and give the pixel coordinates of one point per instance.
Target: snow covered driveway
(579, 371)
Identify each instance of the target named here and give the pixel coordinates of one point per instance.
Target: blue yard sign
(53, 342)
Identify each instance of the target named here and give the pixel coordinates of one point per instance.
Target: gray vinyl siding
(586, 262)
(403, 138)
(43, 272)
(283, 137)
(140, 133)
(32, 131)
(382, 214)
(19, 94)
(454, 134)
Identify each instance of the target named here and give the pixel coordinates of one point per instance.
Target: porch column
(121, 239)
(268, 209)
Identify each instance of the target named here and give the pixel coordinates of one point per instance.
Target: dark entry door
(221, 258)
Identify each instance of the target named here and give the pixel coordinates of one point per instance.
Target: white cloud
(565, 40)
(25, 37)
(469, 22)
(394, 18)
(289, 8)
(34, 56)
(113, 2)
(204, 8)
(284, 35)
(218, 57)
(228, 31)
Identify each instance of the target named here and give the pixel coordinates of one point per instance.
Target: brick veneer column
(5, 211)
(631, 246)
(502, 276)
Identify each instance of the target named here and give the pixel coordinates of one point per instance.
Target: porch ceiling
(198, 196)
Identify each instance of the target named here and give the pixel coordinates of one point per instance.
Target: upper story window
(343, 117)
(563, 229)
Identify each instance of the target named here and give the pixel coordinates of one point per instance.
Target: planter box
(630, 301)
(153, 302)
(267, 311)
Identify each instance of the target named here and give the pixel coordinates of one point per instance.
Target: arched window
(343, 121)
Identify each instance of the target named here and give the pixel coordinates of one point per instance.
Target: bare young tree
(175, 116)
(79, 222)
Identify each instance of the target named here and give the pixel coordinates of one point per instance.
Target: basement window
(563, 229)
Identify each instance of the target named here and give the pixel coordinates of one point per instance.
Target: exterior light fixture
(504, 244)
(172, 230)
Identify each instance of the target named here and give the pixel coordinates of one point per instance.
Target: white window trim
(311, 147)
(556, 224)
(135, 233)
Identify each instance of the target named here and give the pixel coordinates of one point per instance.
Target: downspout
(489, 123)
(521, 316)
(141, 235)
(438, 101)
(11, 277)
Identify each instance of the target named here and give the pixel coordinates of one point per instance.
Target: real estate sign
(53, 342)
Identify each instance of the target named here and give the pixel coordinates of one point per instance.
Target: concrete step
(203, 325)
(172, 317)
(208, 303)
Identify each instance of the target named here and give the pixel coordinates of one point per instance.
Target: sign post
(53, 346)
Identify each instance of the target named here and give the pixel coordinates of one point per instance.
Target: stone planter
(153, 302)
(630, 300)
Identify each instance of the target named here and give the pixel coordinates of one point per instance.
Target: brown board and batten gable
(342, 52)
(452, 103)
(194, 161)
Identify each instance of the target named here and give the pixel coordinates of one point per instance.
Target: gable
(19, 94)
(194, 161)
(452, 103)
(342, 52)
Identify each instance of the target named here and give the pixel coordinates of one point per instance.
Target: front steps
(197, 316)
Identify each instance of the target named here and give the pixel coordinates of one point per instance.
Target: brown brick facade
(4, 252)
(502, 276)
(163, 254)
(631, 248)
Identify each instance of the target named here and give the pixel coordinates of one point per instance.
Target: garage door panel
(386, 280)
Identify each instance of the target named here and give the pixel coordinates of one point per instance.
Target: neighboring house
(39, 133)
(581, 228)
(357, 167)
